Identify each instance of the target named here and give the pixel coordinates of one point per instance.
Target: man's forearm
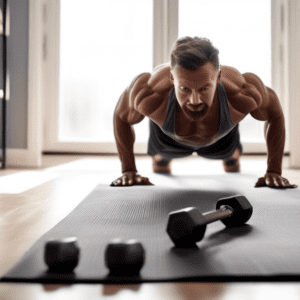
(125, 138)
(275, 138)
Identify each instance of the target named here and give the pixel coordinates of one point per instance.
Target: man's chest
(197, 132)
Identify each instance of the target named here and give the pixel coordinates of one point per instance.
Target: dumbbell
(124, 258)
(187, 226)
(62, 256)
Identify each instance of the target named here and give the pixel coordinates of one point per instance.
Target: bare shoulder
(232, 79)
(160, 79)
(268, 104)
(147, 94)
(245, 92)
(248, 94)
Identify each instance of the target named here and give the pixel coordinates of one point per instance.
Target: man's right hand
(131, 178)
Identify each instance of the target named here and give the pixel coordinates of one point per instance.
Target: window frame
(165, 14)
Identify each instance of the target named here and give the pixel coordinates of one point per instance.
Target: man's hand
(274, 180)
(131, 178)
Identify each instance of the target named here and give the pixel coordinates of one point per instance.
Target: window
(241, 30)
(96, 49)
(103, 46)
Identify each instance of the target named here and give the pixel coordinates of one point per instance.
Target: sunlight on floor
(23, 181)
(274, 291)
(104, 170)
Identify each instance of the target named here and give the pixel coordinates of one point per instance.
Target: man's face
(195, 90)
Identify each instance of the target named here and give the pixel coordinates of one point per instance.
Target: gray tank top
(225, 125)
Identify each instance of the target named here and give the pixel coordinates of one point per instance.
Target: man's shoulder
(241, 94)
(148, 93)
(232, 79)
(159, 80)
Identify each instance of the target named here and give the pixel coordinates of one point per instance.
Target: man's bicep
(126, 111)
(274, 107)
(270, 108)
(267, 102)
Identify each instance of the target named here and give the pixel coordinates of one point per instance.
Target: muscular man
(195, 105)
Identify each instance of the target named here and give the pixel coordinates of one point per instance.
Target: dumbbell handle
(225, 211)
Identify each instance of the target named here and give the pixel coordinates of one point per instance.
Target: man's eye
(183, 88)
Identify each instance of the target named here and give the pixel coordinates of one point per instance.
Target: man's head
(195, 73)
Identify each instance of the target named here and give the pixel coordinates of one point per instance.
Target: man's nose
(195, 99)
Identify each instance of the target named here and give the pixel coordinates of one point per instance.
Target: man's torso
(200, 133)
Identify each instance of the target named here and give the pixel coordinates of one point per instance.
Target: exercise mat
(266, 248)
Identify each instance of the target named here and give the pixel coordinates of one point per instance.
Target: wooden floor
(32, 201)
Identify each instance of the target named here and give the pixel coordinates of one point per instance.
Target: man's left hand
(274, 180)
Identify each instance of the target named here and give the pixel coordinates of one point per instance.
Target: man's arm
(269, 110)
(125, 138)
(125, 116)
(275, 138)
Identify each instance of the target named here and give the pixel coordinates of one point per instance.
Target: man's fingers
(269, 181)
(274, 182)
(260, 182)
(143, 181)
(148, 182)
(115, 183)
(140, 180)
(287, 183)
(124, 180)
(279, 182)
(128, 180)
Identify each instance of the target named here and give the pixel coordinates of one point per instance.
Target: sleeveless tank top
(225, 125)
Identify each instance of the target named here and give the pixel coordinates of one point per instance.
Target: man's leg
(160, 164)
(163, 149)
(232, 164)
(228, 149)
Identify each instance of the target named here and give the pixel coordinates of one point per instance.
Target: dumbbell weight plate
(62, 256)
(241, 207)
(125, 258)
(186, 227)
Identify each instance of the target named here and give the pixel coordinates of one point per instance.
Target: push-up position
(195, 105)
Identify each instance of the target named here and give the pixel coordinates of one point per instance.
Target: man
(194, 104)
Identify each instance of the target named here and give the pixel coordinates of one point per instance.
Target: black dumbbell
(187, 226)
(62, 256)
(124, 258)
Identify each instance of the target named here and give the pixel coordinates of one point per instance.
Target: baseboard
(22, 158)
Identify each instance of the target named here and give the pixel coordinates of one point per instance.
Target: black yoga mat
(267, 247)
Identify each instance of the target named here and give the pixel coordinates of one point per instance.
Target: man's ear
(171, 77)
(219, 78)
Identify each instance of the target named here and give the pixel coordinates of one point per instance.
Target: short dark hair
(191, 53)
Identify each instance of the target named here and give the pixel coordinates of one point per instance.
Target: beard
(195, 115)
